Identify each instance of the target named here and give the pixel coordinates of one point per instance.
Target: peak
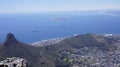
(10, 39)
(10, 36)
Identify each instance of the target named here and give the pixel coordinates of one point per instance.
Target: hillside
(90, 50)
(87, 50)
(14, 48)
(88, 40)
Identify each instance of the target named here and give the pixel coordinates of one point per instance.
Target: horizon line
(37, 12)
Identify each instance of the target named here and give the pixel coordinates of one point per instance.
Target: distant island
(58, 19)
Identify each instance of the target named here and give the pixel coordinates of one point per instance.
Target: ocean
(30, 28)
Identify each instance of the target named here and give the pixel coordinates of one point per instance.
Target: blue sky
(33, 6)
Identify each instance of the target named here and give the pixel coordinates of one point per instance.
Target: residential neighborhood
(89, 57)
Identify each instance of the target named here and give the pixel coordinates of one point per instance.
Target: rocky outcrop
(10, 40)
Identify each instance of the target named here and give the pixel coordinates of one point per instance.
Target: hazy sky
(28, 6)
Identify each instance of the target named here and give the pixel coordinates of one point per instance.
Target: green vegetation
(70, 60)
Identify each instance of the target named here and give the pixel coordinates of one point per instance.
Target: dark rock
(10, 40)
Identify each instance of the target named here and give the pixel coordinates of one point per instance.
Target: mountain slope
(75, 50)
(84, 49)
(94, 40)
(14, 48)
(87, 40)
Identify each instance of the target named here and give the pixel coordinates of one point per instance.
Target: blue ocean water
(30, 28)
